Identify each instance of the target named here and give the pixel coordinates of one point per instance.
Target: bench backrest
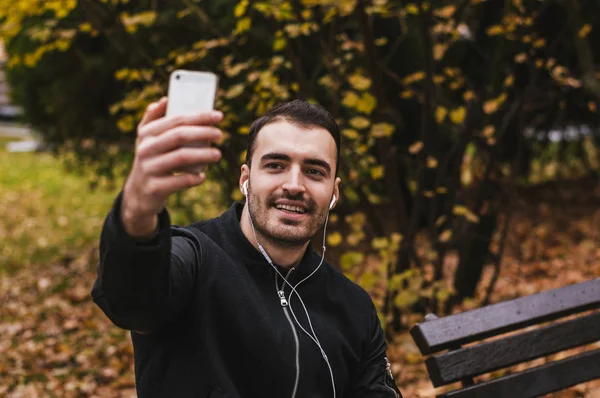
(462, 364)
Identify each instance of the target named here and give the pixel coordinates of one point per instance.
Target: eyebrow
(310, 161)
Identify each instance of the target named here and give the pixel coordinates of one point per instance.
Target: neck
(282, 255)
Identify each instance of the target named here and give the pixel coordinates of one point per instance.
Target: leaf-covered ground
(56, 343)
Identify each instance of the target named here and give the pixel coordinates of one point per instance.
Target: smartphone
(191, 92)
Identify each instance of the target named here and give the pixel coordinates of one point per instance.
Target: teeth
(291, 208)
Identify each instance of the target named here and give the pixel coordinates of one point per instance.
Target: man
(240, 305)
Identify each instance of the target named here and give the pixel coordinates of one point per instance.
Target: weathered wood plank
(537, 381)
(487, 357)
(455, 330)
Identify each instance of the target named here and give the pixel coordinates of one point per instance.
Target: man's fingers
(177, 137)
(166, 185)
(181, 158)
(154, 111)
(159, 126)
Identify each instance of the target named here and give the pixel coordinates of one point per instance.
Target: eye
(315, 172)
(274, 166)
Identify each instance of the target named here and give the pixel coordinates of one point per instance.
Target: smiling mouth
(291, 209)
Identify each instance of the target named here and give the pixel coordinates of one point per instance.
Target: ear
(336, 193)
(244, 177)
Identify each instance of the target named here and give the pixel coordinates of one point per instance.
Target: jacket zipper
(284, 305)
(388, 373)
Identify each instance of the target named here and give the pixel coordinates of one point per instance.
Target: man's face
(291, 181)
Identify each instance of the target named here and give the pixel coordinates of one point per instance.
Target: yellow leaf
(416, 147)
(446, 235)
(405, 299)
(468, 95)
(351, 259)
(441, 190)
(350, 99)
(382, 41)
(377, 172)
(491, 106)
(539, 43)
(350, 133)
(367, 103)
(520, 58)
(457, 116)
(330, 14)
(243, 25)
(293, 30)
(488, 131)
(240, 8)
(307, 14)
(412, 9)
(234, 91)
(414, 77)
(439, 50)
(584, 30)
(396, 237)
(428, 194)
(495, 30)
(85, 27)
(431, 162)
(459, 210)
(380, 243)
(440, 114)
(406, 94)
(440, 221)
(359, 82)
(359, 122)
(334, 239)
(510, 79)
(445, 12)
(279, 43)
(381, 130)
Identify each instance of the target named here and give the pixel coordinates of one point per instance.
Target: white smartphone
(191, 92)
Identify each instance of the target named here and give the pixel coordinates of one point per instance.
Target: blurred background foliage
(447, 108)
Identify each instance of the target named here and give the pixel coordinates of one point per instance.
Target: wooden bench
(464, 363)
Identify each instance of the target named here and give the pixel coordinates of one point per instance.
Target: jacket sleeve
(143, 284)
(375, 378)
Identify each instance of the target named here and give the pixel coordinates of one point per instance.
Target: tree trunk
(473, 255)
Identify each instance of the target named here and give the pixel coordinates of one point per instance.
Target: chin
(288, 233)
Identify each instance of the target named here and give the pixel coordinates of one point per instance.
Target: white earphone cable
(313, 337)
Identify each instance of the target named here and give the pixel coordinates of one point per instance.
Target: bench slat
(455, 330)
(536, 381)
(487, 357)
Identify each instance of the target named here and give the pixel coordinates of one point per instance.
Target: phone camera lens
(177, 77)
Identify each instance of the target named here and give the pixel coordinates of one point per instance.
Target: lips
(290, 208)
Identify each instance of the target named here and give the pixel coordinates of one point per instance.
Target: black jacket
(219, 328)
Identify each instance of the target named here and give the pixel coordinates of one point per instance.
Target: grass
(50, 215)
(46, 214)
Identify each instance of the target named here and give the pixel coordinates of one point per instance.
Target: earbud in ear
(245, 188)
(332, 202)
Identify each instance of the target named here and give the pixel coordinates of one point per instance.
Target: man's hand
(159, 152)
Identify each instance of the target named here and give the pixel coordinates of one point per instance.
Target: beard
(281, 231)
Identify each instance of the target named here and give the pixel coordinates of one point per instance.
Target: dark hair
(300, 113)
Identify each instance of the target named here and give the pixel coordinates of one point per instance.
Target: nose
(294, 184)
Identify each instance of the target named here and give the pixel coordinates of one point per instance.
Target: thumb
(154, 111)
